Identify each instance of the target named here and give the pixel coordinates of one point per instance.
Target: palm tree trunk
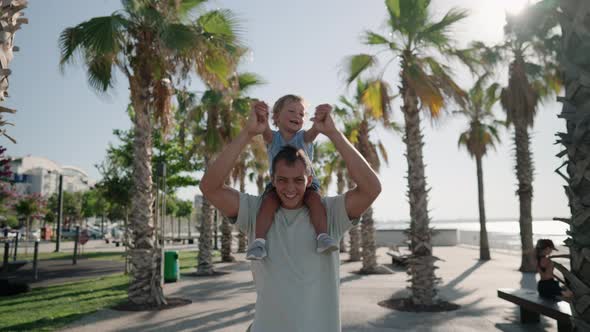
(145, 287)
(575, 112)
(368, 242)
(340, 190)
(421, 263)
(242, 239)
(226, 237)
(204, 260)
(484, 247)
(354, 252)
(226, 240)
(367, 225)
(11, 19)
(524, 174)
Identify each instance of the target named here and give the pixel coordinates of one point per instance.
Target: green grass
(188, 258)
(49, 308)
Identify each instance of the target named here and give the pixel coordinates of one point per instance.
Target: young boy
(287, 114)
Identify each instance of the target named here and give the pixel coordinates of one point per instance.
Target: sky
(296, 47)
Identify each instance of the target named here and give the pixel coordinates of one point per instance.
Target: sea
(502, 234)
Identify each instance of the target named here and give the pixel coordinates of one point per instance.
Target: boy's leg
(266, 213)
(317, 211)
(319, 220)
(268, 206)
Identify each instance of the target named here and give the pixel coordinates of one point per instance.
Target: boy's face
(290, 182)
(290, 117)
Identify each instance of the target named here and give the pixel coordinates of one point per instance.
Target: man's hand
(322, 120)
(258, 120)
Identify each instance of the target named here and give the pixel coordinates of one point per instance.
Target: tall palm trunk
(354, 233)
(421, 263)
(226, 239)
(340, 190)
(368, 242)
(484, 247)
(368, 224)
(242, 239)
(524, 174)
(145, 287)
(10, 21)
(204, 260)
(575, 111)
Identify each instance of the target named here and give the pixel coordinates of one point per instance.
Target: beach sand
(226, 303)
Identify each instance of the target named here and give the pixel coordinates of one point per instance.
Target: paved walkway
(226, 303)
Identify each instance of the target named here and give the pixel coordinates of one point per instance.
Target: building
(39, 175)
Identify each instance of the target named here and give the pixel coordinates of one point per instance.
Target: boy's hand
(258, 120)
(322, 120)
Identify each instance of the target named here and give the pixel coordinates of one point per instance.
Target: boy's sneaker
(256, 251)
(326, 244)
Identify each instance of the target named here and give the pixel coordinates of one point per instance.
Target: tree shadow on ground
(214, 290)
(48, 324)
(201, 322)
(351, 277)
(426, 321)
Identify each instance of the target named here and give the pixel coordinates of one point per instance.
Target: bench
(396, 259)
(532, 306)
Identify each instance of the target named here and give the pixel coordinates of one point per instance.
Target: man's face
(290, 182)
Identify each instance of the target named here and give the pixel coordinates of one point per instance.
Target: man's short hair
(290, 155)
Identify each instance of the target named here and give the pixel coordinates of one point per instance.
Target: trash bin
(171, 267)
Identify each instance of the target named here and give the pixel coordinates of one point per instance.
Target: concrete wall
(442, 237)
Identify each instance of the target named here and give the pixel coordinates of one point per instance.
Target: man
(297, 288)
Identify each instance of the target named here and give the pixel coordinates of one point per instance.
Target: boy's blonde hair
(280, 103)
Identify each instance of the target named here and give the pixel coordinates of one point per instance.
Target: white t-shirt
(297, 289)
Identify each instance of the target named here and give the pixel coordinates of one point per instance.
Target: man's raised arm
(213, 187)
(359, 199)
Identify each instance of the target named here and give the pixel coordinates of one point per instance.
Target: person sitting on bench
(548, 287)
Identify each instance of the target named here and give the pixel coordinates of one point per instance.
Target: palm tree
(532, 76)
(576, 107)
(258, 164)
(481, 134)
(150, 41)
(331, 164)
(222, 114)
(371, 105)
(424, 82)
(239, 176)
(10, 21)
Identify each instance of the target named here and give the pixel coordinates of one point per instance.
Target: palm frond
(426, 90)
(249, 80)
(357, 64)
(376, 100)
(222, 24)
(99, 73)
(185, 7)
(179, 37)
(437, 33)
(372, 38)
(383, 152)
(99, 35)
